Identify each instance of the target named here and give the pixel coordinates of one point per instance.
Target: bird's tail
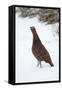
(52, 65)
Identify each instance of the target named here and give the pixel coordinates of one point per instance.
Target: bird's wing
(40, 50)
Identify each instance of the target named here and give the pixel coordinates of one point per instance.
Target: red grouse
(39, 50)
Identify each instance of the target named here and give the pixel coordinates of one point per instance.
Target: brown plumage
(39, 50)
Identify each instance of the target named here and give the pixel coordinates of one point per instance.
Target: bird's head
(33, 29)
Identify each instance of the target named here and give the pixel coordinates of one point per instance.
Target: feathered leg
(39, 64)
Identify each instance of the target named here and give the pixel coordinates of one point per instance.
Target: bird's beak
(30, 27)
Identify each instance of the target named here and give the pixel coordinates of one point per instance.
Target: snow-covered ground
(26, 63)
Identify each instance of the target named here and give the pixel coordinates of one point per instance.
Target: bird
(38, 49)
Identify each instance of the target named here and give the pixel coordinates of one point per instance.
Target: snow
(26, 63)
